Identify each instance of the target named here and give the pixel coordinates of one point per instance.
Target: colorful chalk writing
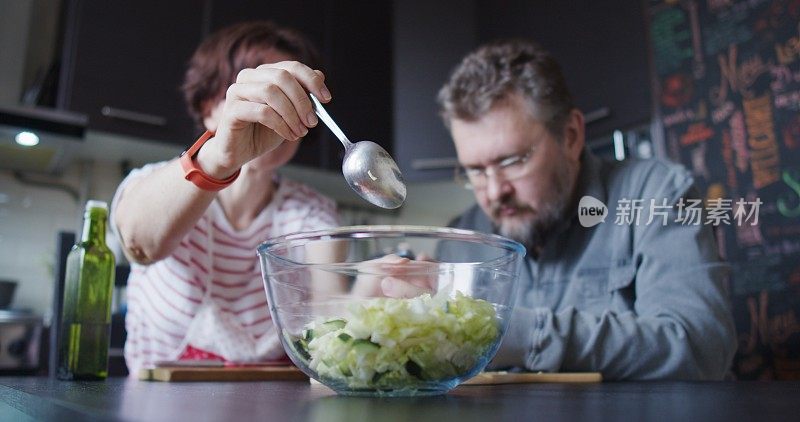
(699, 166)
(697, 132)
(738, 78)
(723, 112)
(791, 133)
(680, 116)
(789, 203)
(783, 77)
(672, 39)
(788, 51)
(698, 65)
(788, 100)
(723, 33)
(727, 157)
(730, 112)
(739, 141)
(765, 155)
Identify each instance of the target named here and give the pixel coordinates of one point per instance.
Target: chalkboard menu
(727, 88)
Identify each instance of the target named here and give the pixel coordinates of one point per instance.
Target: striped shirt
(214, 263)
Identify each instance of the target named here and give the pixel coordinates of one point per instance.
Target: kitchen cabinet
(424, 58)
(308, 17)
(123, 63)
(602, 51)
(354, 41)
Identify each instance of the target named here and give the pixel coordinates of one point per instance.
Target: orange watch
(193, 173)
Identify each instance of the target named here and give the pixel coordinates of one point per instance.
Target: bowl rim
(368, 231)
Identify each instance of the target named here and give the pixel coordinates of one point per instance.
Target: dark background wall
(728, 90)
(602, 49)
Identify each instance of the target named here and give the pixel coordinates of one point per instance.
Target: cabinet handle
(133, 116)
(452, 162)
(597, 114)
(434, 163)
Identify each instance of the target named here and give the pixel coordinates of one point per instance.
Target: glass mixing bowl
(391, 310)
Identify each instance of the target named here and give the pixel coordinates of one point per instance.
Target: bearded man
(639, 298)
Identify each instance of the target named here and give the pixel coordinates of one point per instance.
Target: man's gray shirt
(632, 301)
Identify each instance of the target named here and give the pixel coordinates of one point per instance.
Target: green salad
(395, 342)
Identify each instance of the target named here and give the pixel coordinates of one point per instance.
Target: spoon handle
(325, 117)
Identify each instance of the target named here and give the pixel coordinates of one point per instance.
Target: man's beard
(532, 227)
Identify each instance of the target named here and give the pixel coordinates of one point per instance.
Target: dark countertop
(127, 399)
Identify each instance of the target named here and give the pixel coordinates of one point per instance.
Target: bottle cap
(92, 203)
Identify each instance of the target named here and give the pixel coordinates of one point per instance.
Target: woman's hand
(264, 107)
(397, 277)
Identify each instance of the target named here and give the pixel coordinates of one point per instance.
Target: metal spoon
(368, 169)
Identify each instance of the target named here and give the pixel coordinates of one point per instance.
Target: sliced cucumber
(298, 345)
(326, 327)
(433, 370)
(334, 324)
(365, 344)
(345, 369)
(414, 369)
(377, 377)
(421, 339)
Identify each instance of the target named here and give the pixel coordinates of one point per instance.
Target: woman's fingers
(297, 95)
(252, 112)
(433, 280)
(367, 286)
(398, 288)
(295, 80)
(422, 274)
(279, 102)
(312, 80)
(402, 277)
(273, 97)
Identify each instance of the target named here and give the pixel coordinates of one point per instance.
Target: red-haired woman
(190, 226)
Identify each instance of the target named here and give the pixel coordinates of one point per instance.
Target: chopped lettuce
(400, 342)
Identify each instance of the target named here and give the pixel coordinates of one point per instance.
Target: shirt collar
(588, 183)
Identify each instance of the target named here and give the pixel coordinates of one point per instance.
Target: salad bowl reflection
(391, 310)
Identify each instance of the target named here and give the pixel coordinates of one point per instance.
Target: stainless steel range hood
(60, 133)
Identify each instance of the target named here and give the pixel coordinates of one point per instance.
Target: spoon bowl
(372, 173)
(367, 167)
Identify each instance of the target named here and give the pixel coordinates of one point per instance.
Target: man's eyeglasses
(510, 168)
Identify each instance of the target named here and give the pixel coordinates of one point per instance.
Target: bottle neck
(94, 226)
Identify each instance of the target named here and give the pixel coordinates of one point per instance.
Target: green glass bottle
(86, 314)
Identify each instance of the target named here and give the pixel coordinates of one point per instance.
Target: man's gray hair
(497, 70)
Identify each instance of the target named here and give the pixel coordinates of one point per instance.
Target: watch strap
(193, 173)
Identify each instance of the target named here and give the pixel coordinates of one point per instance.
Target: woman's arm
(155, 211)
(264, 107)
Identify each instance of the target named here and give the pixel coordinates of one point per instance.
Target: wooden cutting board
(502, 377)
(291, 373)
(248, 373)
